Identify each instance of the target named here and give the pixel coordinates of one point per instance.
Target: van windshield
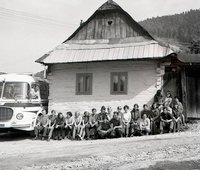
(16, 90)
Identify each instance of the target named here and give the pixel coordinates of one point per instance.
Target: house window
(119, 83)
(84, 84)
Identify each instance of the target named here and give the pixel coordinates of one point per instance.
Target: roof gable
(109, 21)
(109, 34)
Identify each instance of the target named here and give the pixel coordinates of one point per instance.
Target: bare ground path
(148, 152)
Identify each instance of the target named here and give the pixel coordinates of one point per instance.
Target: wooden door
(193, 91)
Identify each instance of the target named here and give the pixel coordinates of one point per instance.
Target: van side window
(35, 91)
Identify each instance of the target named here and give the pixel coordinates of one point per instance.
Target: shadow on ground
(185, 165)
(14, 136)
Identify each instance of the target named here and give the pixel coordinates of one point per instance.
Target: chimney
(81, 22)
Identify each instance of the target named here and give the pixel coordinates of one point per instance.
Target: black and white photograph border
(104, 84)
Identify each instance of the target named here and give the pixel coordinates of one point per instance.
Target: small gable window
(119, 83)
(84, 84)
(110, 22)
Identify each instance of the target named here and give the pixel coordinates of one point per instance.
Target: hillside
(184, 27)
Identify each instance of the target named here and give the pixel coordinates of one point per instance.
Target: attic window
(110, 22)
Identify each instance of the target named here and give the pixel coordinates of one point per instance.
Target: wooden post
(184, 92)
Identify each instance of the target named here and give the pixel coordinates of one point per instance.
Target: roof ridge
(110, 4)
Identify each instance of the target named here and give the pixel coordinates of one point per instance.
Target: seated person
(158, 98)
(52, 122)
(84, 123)
(169, 109)
(146, 111)
(155, 118)
(180, 108)
(102, 115)
(166, 121)
(119, 110)
(91, 129)
(176, 118)
(59, 127)
(109, 113)
(104, 129)
(41, 124)
(116, 126)
(77, 124)
(135, 120)
(126, 118)
(35, 92)
(69, 121)
(168, 99)
(9, 92)
(145, 125)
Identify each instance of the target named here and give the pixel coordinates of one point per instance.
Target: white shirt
(126, 117)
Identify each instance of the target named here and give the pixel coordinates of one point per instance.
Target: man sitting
(42, 122)
(166, 121)
(116, 126)
(102, 115)
(104, 129)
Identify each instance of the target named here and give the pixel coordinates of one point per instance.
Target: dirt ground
(168, 151)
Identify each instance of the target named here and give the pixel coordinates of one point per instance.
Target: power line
(30, 18)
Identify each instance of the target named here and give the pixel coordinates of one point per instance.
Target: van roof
(13, 77)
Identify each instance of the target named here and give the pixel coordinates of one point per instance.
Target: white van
(22, 97)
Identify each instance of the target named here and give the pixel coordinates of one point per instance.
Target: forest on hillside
(184, 27)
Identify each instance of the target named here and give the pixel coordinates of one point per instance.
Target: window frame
(119, 74)
(78, 75)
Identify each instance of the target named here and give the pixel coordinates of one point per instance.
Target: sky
(31, 28)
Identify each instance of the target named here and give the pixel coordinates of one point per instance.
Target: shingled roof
(141, 46)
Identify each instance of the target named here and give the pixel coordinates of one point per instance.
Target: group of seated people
(165, 115)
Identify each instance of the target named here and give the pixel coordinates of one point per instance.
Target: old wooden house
(109, 60)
